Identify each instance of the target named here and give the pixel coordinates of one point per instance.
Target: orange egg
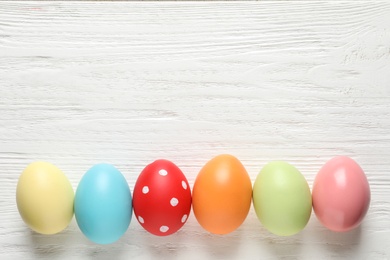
(222, 194)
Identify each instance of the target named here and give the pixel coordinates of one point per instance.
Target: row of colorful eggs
(221, 198)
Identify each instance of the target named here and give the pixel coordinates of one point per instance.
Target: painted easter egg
(162, 198)
(282, 198)
(44, 197)
(222, 194)
(103, 204)
(341, 194)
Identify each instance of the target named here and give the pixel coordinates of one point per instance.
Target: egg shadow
(217, 246)
(57, 245)
(282, 246)
(172, 246)
(222, 246)
(54, 246)
(110, 251)
(48, 246)
(162, 247)
(340, 243)
(276, 246)
(93, 250)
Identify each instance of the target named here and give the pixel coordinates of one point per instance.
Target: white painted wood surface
(127, 83)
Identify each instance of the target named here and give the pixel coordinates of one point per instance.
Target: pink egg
(341, 194)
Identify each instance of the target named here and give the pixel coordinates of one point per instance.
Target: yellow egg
(45, 197)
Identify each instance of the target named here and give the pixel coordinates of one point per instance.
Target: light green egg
(282, 198)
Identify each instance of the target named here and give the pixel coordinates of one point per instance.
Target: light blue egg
(103, 204)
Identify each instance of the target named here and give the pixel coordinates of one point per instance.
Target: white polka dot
(184, 184)
(184, 218)
(174, 202)
(163, 172)
(164, 229)
(145, 189)
(141, 220)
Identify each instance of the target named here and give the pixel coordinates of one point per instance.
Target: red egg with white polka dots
(162, 198)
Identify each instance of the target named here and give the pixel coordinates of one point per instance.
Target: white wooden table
(129, 82)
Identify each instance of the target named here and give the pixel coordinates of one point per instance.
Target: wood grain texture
(130, 82)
